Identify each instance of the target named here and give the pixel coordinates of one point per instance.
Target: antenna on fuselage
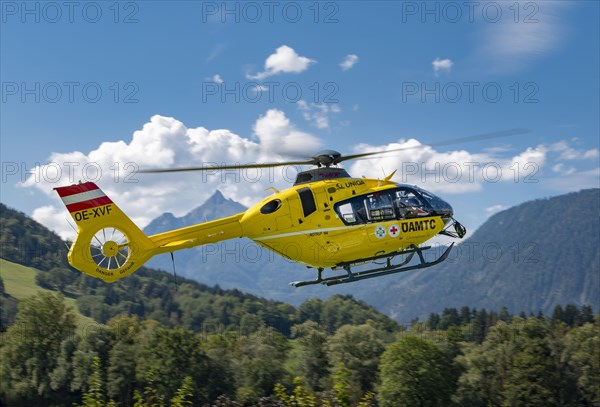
(174, 273)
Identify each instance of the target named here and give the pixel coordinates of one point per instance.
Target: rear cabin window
(308, 201)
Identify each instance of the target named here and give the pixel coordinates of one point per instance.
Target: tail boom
(203, 233)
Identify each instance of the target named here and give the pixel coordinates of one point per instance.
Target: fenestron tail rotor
(109, 248)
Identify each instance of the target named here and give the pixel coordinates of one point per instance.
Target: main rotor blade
(228, 167)
(315, 161)
(469, 139)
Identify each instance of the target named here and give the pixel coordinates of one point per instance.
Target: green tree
(95, 396)
(258, 362)
(57, 279)
(582, 356)
(587, 315)
(485, 368)
(61, 376)
(8, 308)
(31, 349)
(518, 364)
(125, 331)
(343, 392)
(150, 396)
(433, 321)
(172, 354)
(340, 395)
(533, 377)
(184, 395)
(449, 317)
(558, 315)
(342, 310)
(414, 372)
(358, 347)
(301, 396)
(572, 316)
(312, 365)
(96, 342)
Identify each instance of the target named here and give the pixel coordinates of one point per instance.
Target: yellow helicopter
(326, 220)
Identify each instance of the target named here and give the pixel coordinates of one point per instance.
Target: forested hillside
(166, 341)
(24, 241)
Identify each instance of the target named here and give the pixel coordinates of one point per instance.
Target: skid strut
(389, 268)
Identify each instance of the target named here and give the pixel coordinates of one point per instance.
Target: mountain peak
(216, 198)
(215, 207)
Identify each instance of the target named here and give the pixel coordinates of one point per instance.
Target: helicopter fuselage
(325, 223)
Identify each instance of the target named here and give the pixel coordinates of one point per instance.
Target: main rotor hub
(327, 158)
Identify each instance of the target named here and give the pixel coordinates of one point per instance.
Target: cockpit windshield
(436, 203)
(398, 203)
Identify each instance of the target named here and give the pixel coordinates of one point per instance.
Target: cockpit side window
(409, 204)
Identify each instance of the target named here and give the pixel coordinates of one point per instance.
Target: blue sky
(249, 81)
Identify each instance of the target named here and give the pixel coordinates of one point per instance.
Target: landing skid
(389, 268)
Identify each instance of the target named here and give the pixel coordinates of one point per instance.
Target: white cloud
(284, 60)
(489, 211)
(507, 45)
(165, 142)
(462, 171)
(217, 79)
(569, 153)
(442, 65)
(278, 135)
(572, 181)
(560, 168)
(448, 172)
(592, 153)
(317, 114)
(349, 62)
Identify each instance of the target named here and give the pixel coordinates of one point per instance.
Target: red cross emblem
(393, 230)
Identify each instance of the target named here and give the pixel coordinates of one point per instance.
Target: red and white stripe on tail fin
(83, 196)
